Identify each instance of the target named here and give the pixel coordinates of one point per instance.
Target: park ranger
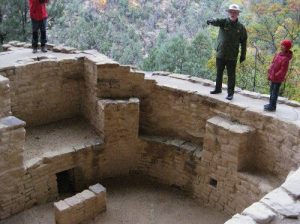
(232, 34)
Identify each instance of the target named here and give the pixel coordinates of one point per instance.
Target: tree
(198, 53)
(172, 55)
(179, 55)
(274, 22)
(14, 22)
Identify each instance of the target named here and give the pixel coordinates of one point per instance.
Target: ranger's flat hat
(234, 7)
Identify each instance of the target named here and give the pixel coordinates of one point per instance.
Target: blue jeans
(36, 27)
(274, 92)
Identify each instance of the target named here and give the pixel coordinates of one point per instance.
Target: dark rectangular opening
(66, 183)
(213, 182)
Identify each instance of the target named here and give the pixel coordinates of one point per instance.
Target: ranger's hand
(210, 21)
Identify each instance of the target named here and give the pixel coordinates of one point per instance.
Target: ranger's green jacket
(231, 35)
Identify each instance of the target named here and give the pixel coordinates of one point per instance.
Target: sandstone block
(62, 213)
(260, 213)
(240, 219)
(292, 184)
(100, 192)
(90, 202)
(77, 208)
(281, 202)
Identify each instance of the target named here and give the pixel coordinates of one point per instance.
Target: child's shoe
(44, 49)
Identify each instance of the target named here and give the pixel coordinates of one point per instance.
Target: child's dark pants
(274, 92)
(36, 26)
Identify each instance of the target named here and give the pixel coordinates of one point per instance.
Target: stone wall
(176, 113)
(35, 182)
(119, 121)
(81, 207)
(281, 205)
(89, 102)
(4, 97)
(226, 155)
(12, 139)
(170, 161)
(45, 91)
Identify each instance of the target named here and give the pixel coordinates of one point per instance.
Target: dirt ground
(135, 201)
(60, 136)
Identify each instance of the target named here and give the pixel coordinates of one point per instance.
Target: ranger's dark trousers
(274, 92)
(39, 25)
(230, 66)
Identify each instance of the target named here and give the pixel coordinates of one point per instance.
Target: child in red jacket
(277, 72)
(38, 15)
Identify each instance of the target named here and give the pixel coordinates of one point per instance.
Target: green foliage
(14, 23)
(291, 86)
(172, 55)
(199, 51)
(180, 56)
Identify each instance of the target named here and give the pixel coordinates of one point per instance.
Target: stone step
(180, 144)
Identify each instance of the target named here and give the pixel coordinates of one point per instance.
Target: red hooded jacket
(279, 66)
(38, 10)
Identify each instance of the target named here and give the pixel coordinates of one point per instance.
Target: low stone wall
(82, 206)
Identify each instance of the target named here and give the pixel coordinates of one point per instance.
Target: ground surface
(137, 201)
(60, 137)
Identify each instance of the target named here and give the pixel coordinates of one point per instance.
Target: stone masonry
(227, 155)
(81, 207)
(281, 205)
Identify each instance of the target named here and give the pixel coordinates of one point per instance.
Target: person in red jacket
(277, 72)
(38, 15)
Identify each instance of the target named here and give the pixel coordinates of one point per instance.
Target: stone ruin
(232, 156)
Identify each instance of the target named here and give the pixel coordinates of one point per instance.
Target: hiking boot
(215, 91)
(43, 49)
(269, 108)
(229, 97)
(34, 50)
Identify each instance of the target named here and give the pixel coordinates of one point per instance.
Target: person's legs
(220, 69)
(231, 67)
(43, 26)
(35, 34)
(274, 92)
(274, 95)
(271, 89)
